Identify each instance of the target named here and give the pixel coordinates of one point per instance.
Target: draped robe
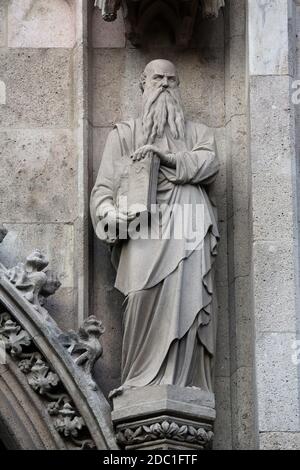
(169, 324)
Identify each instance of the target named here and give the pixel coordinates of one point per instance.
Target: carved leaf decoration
(53, 408)
(68, 423)
(137, 432)
(182, 432)
(121, 438)
(165, 430)
(69, 426)
(25, 366)
(202, 434)
(128, 434)
(173, 428)
(165, 426)
(41, 379)
(192, 431)
(14, 337)
(147, 429)
(156, 428)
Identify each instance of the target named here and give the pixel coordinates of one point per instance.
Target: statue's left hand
(166, 158)
(142, 152)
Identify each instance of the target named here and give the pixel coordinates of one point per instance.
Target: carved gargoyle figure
(33, 281)
(85, 344)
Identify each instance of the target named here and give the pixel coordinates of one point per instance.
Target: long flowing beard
(161, 108)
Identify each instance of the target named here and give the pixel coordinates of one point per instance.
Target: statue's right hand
(113, 224)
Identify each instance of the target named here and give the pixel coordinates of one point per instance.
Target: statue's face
(161, 74)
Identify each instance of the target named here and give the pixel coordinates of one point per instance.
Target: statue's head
(159, 73)
(161, 100)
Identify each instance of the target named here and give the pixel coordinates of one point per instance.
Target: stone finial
(85, 345)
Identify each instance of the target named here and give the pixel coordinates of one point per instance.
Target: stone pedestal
(164, 417)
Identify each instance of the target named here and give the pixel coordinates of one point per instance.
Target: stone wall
(242, 383)
(40, 120)
(275, 231)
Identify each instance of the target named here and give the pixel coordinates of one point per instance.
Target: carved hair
(162, 108)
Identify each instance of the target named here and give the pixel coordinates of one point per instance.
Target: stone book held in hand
(142, 184)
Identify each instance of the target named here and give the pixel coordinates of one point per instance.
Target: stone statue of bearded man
(170, 316)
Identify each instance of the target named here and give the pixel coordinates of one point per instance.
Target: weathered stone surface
(54, 239)
(3, 27)
(271, 17)
(279, 441)
(57, 240)
(235, 18)
(62, 307)
(277, 383)
(2, 93)
(41, 23)
(243, 410)
(209, 35)
(141, 401)
(222, 426)
(273, 269)
(235, 59)
(242, 337)
(41, 166)
(111, 104)
(272, 209)
(270, 102)
(107, 34)
(238, 236)
(218, 189)
(222, 368)
(272, 153)
(240, 163)
(179, 417)
(99, 138)
(107, 306)
(38, 88)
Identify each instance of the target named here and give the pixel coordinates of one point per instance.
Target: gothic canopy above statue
(180, 15)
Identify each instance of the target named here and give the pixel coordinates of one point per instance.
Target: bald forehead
(161, 67)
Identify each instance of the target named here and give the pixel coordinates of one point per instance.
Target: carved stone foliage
(45, 383)
(165, 430)
(179, 15)
(85, 346)
(35, 284)
(57, 366)
(33, 281)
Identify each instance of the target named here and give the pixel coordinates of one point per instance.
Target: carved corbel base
(164, 417)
